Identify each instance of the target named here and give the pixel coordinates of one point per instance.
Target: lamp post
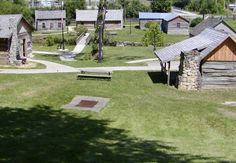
(62, 25)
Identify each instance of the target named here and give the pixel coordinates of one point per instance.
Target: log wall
(218, 75)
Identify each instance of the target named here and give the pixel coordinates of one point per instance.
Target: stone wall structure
(14, 47)
(189, 77)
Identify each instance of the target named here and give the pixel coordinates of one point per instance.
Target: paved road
(52, 67)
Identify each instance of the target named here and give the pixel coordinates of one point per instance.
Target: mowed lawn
(113, 56)
(143, 122)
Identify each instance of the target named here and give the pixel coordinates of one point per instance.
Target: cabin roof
(50, 14)
(5, 24)
(205, 42)
(156, 16)
(91, 15)
(210, 22)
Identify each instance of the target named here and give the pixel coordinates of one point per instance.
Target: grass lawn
(231, 23)
(28, 65)
(42, 47)
(137, 35)
(113, 56)
(143, 122)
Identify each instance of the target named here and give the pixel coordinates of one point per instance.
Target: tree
(195, 22)
(16, 7)
(71, 6)
(153, 36)
(161, 5)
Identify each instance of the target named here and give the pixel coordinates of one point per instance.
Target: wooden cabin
(170, 22)
(15, 38)
(88, 18)
(218, 68)
(213, 57)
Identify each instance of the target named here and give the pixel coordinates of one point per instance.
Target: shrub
(50, 41)
(150, 23)
(81, 29)
(195, 22)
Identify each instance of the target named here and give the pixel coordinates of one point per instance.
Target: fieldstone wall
(14, 48)
(189, 77)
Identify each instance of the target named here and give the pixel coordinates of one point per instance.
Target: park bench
(95, 74)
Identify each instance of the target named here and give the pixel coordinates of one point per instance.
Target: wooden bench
(94, 74)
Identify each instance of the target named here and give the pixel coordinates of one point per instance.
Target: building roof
(210, 22)
(205, 42)
(91, 15)
(157, 16)
(4, 24)
(50, 14)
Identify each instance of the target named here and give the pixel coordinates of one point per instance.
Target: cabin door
(23, 47)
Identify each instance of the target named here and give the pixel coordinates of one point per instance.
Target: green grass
(42, 47)
(113, 56)
(231, 23)
(143, 122)
(137, 35)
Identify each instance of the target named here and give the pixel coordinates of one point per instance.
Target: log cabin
(207, 60)
(15, 38)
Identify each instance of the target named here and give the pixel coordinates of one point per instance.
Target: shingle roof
(210, 22)
(50, 14)
(91, 15)
(206, 41)
(4, 24)
(156, 16)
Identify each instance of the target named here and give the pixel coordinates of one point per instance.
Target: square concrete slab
(87, 103)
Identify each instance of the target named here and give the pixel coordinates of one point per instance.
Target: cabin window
(43, 25)
(59, 25)
(51, 26)
(178, 25)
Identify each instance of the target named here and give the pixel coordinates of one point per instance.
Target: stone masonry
(189, 71)
(14, 48)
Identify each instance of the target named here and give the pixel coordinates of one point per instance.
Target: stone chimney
(14, 48)
(189, 71)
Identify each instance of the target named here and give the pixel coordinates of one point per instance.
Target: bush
(81, 29)
(50, 41)
(150, 23)
(195, 22)
(94, 48)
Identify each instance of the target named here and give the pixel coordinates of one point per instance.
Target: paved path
(52, 67)
(45, 52)
(81, 44)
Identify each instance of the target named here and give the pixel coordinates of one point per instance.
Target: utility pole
(62, 25)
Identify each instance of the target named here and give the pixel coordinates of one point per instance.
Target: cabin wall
(4, 54)
(108, 24)
(50, 25)
(218, 75)
(176, 26)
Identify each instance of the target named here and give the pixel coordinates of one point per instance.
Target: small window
(59, 25)
(43, 25)
(51, 26)
(178, 25)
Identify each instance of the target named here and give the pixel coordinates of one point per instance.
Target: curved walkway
(52, 67)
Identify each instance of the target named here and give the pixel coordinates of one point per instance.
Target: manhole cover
(87, 103)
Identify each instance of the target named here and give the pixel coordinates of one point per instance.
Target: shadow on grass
(41, 134)
(159, 77)
(128, 58)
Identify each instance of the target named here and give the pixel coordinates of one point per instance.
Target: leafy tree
(70, 7)
(195, 22)
(153, 36)
(181, 3)
(161, 5)
(131, 8)
(16, 7)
